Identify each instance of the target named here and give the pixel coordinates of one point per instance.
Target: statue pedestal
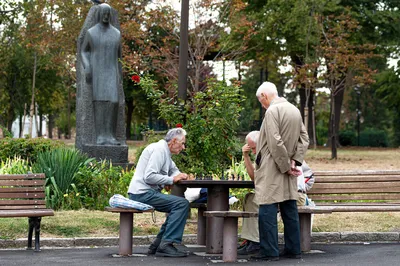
(116, 153)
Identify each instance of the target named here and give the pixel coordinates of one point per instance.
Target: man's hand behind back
(294, 171)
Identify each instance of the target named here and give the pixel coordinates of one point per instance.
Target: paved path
(337, 254)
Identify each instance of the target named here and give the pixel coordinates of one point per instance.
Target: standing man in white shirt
(154, 171)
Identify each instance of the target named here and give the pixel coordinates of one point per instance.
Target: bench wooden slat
(20, 189)
(358, 203)
(27, 213)
(29, 195)
(21, 202)
(340, 179)
(26, 176)
(358, 172)
(356, 190)
(315, 209)
(381, 208)
(338, 186)
(22, 207)
(356, 197)
(18, 182)
(110, 209)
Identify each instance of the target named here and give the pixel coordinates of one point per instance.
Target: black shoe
(251, 248)
(168, 250)
(260, 256)
(182, 248)
(153, 246)
(289, 255)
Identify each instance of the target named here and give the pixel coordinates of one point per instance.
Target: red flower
(179, 125)
(135, 78)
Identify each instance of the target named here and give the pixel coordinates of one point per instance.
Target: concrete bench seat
(125, 228)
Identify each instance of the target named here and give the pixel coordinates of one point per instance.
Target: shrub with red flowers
(211, 119)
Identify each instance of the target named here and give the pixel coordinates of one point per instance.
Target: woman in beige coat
(281, 147)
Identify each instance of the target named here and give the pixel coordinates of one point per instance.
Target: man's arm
(302, 146)
(247, 161)
(152, 173)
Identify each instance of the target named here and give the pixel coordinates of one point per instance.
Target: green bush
(211, 118)
(96, 185)
(374, 138)
(26, 149)
(322, 135)
(60, 166)
(347, 138)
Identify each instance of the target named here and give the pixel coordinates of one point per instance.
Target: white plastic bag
(192, 194)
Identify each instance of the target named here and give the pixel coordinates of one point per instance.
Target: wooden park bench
(24, 196)
(125, 228)
(357, 191)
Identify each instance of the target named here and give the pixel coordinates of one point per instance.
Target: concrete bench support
(125, 233)
(201, 226)
(305, 231)
(230, 231)
(125, 228)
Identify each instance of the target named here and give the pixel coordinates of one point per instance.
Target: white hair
(253, 135)
(267, 88)
(177, 132)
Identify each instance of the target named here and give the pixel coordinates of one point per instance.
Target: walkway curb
(316, 238)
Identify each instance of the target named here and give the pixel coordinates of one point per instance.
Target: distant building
(15, 128)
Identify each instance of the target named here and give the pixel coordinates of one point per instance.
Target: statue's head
(105, 13)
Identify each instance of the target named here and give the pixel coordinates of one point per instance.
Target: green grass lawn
(84, 223)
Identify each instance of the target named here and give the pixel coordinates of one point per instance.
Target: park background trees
(300, 45)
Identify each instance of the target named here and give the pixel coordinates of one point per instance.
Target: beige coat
(282, 137)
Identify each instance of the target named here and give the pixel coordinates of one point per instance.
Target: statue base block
(116, 153)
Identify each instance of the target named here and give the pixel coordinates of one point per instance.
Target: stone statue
(100, 99)
(100, 53)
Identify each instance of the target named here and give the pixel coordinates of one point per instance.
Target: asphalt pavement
(321, 254)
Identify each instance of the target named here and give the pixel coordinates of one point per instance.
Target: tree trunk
(32, 109)
(129, 114)
(332, 125)
(23, 122)
(40, 125)
(10, 117)
(69, 114)
(51, 126)
(36, 122)
(197, 76)
(310, 123)
(21, 125)
(338, 101)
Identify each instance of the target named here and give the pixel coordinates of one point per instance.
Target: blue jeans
(268, 225)
(176, 207)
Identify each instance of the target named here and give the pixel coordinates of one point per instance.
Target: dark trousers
(268, 225)
(177, 209)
